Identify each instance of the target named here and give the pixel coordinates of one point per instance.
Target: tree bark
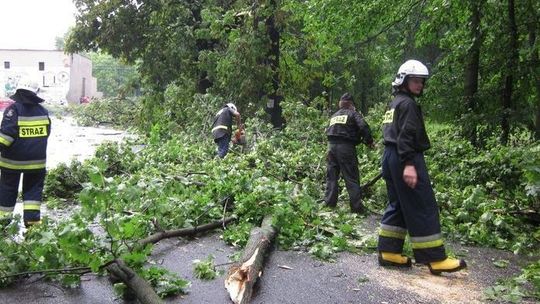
(535, 62)
(510, 69)
(274, 97)
(242, 276)
(472, 67)
(156, 237)
(137, 285)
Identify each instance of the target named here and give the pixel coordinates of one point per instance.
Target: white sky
(33, 24)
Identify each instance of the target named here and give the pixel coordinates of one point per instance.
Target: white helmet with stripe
(232, 106)
(410, 68)
(26, 83)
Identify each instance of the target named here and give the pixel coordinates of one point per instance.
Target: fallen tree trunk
(242, 276)
(137, 285)
(156, 237)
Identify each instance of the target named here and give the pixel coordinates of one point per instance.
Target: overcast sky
(33, 24)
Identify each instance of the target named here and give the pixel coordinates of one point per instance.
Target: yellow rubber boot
(394, 259)
(448, 265)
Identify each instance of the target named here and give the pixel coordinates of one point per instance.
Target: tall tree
(511, 64)
(273, 57)
(534, 67)
(472, 67)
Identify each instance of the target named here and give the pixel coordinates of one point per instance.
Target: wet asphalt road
(353, 278)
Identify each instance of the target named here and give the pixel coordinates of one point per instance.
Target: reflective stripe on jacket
(222, 123)
(24, 133)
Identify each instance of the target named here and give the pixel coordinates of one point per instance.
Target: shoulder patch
(9, 113)
(388, 116)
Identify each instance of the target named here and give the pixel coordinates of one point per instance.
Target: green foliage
(113, 77)
(165, 282)
(205, 269)
(118, 112)
(515, 290)
(65, 181)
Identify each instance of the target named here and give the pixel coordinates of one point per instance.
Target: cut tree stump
(242, 275)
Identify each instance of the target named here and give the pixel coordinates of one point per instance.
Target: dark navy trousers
(223, 145)
(412, 211)
(342, 159)
(32, 193)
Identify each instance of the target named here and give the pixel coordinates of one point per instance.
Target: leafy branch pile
(113, 111)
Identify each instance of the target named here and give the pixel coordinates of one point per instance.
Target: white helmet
(410, 68)
(28, 84)
(232, 106)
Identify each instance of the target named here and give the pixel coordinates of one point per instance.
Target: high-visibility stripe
(393, 228)
(32, 205)
(220, 127)
(430, 241)
(392, 234)
(425, 245)
(428, 238)
(22, 165)
(4, 214)
(4, 209)
(40, 122)
(6, 140)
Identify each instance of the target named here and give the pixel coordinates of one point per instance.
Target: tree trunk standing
(510, 68)
(535, 63)
(472, 67)
(273, 106)
(242, 276)
(203, 83)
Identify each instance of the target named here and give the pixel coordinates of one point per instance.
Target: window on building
(42, 66)
(7, 64)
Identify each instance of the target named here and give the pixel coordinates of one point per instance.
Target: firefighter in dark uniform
(347, 129)
(411, 202)
(24, 132)
(222, 127)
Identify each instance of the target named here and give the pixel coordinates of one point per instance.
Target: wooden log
(242, 276)
(137, 285)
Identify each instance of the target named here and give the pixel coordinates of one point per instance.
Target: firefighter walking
(347, 129)
(24, 133)
(411, 206)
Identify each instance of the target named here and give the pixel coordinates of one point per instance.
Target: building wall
(62, 78)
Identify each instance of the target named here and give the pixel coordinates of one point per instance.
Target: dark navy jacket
(222, 122)
(403, 127)
(24, 133)
(348, 126)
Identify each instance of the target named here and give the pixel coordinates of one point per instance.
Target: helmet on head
(27, 84)
(410, 68)
(232, 106)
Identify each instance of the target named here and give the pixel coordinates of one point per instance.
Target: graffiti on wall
(54, 85)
